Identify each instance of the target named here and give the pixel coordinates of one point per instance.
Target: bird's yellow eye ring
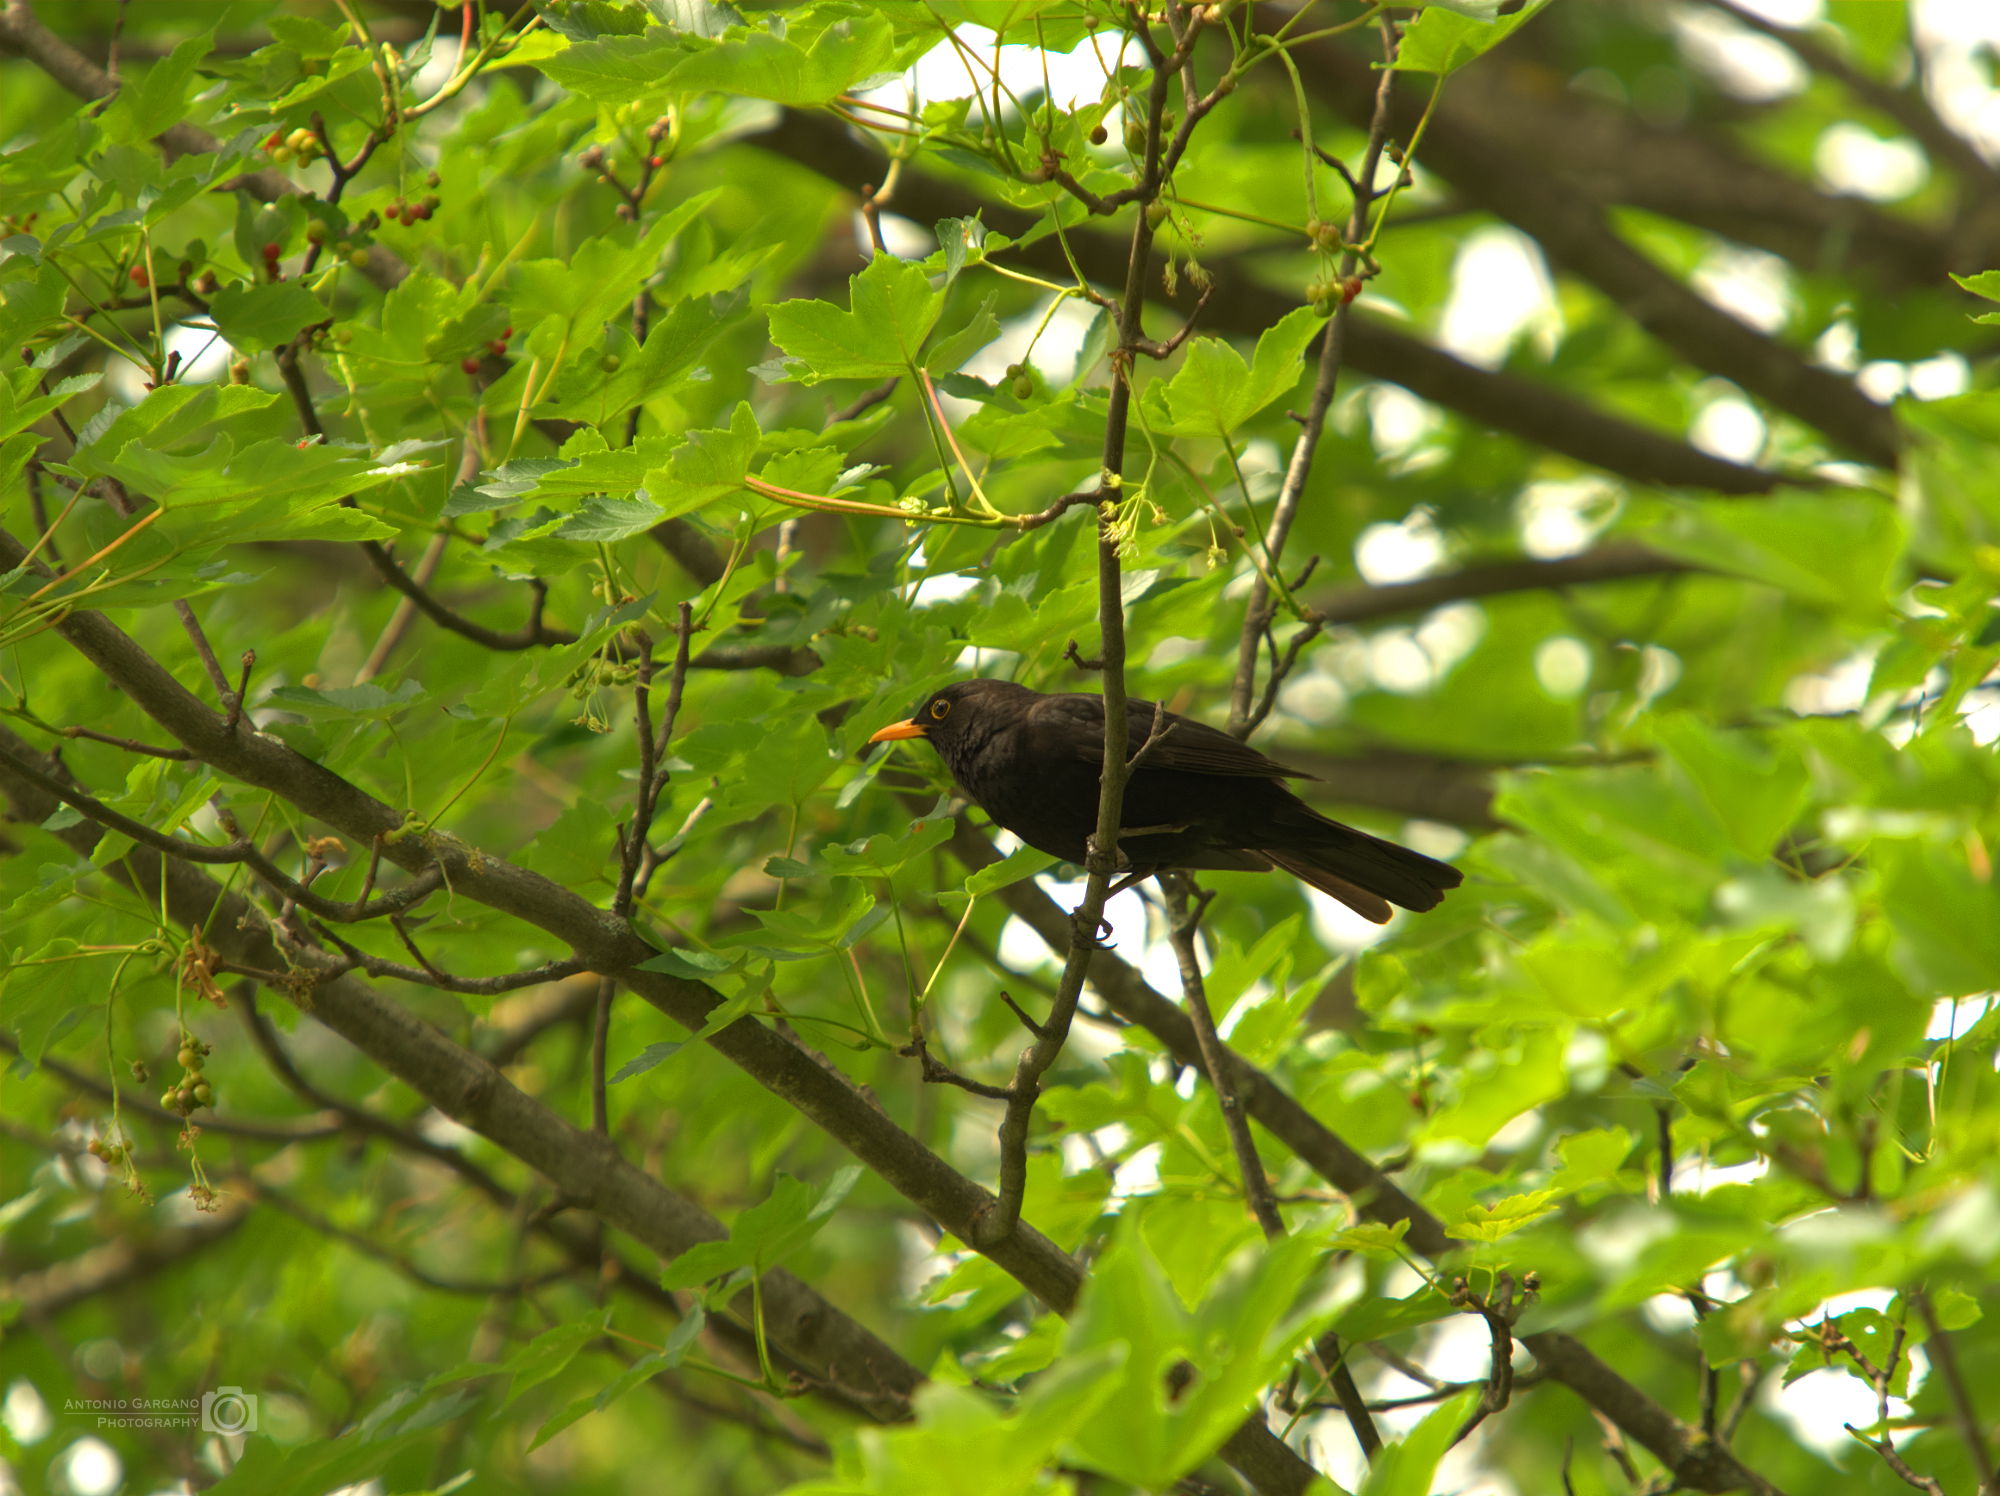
(940, 710)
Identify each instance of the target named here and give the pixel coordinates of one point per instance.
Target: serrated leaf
(891, 310)
(256, 317)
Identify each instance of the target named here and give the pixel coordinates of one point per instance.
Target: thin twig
(1944, 1356)
(997, 1223)
(1243, 717)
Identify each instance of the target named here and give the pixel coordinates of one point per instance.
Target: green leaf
(256, 317)
(693, 966)
(666, 1358)
(1955, 1308)
(708, 465)
(765, 1234)
(1214, 391)
(762, 65)
(1406, 1466)
(1841, 550)
(1503, 1217)
(602, 520)
(1236, 1341)
(951, 351)
(616, 69)
(1451, 33)
(159, 96)
(1022, 862)
(1946, 915)
(1986, 284)
(892, 309)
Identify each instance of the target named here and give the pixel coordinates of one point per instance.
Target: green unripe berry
(1023, 387)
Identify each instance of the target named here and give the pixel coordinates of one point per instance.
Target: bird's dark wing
(1073, 724)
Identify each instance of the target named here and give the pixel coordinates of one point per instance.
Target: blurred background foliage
(1654, 540)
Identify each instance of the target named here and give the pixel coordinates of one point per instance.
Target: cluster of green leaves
(1707, 911)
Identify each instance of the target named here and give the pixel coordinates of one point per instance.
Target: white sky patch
(1400, 664)
(435, 73)
(90, 1467)
(1819, 1405)
(1939, 378)
(1840, 688)
(205, 357)
(1852, 158)
(1338, 927)
(1839, 347)
(1659, 672)
(1416, 660)
(1314, 697)
(1729, 428)
(1398, 422)
(1562, 665)
(1500, 289)
(27, 1417)
(1698, 1176)
(966, 70)
(1449, 633)
(1883, 380)
(902, 237)
(1563, 516)
(1399, 552)
(1055, 351)
(1753, 287)
(1954, 37)
(1740, 61)
(1949, 1018)
(1787, 12)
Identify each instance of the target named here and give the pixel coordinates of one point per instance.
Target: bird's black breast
(1048, 799)
(1037, 775)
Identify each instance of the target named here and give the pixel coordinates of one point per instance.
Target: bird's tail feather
(1367, 873)
(1369, 906)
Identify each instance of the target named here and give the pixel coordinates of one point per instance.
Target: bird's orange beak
(909, 727)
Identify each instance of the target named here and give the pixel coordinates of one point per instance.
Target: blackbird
(1032, 762)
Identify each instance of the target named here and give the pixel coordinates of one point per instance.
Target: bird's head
(950, 711)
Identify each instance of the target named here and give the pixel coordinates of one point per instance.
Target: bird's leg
(1098, 938)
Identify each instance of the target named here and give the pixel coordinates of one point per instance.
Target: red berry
(139, 277)
(272, 251)
(470, 365)
(656, 162)
(498, 345)
(506, 333)
(1349, 289)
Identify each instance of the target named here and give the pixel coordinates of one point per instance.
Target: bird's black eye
(940, 710)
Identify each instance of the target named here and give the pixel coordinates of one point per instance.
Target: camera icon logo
(229, 1410)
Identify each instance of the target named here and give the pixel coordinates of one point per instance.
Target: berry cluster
(497, 347)
(193, 1090)
(407, 213)
(300, 145)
